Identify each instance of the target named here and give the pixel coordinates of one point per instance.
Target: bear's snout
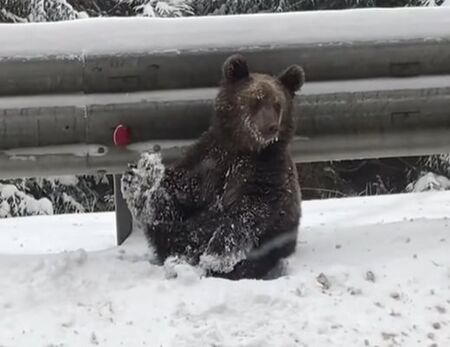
(271, 130)
(269, 122)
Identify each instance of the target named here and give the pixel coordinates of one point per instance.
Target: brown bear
(231, 204)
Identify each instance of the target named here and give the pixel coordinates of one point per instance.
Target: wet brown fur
(235, 193)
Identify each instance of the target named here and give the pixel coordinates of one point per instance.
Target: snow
(433, 3)
(84, 37)
(58, 233)
(376, 84)
(429, 181)
(143, 184)
(79, 150)
(14, 202)
(158, 145)
(368, 271)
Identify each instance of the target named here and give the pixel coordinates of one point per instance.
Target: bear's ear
(292, 78)
(235, 69)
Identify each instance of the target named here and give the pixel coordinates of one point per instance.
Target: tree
(254, 6)
(16, 11)
(159, 8)
(37, 11)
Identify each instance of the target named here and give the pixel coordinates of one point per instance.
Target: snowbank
(368, 271)
(113, 35)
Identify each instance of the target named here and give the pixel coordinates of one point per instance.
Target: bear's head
(254, 111)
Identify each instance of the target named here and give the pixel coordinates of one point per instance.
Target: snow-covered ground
(368, 272)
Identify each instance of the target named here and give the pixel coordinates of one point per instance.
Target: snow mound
(429, 181)
(368, 271)
(96, 36)
(13, 202)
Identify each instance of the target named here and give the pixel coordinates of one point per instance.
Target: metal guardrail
(131, 54)
(67, 134)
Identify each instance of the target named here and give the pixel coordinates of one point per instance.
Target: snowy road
(385, 265)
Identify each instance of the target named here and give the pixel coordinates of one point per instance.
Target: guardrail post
(124, 220)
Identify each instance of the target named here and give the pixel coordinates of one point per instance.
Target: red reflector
(121, 136)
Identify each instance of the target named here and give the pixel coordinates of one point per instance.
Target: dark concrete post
(124, 220)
